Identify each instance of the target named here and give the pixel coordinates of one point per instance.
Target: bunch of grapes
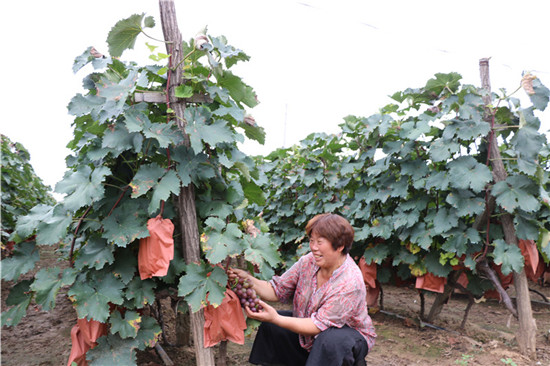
(247, 295)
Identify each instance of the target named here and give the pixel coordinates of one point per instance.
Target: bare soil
(43, 338)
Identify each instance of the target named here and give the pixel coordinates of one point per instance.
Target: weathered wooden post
(526, 336)
(186, 200)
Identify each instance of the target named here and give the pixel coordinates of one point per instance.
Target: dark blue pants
(333, 347)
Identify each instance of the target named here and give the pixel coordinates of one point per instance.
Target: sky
(312, 62)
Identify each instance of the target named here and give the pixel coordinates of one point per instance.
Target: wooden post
(186, 200)
(526, 336)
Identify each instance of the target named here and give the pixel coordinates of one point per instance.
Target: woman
(329, 324)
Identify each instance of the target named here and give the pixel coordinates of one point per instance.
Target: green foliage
(412, 180)
(22, 189)
(129, 163)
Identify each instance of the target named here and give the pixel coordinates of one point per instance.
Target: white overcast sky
(313, 62)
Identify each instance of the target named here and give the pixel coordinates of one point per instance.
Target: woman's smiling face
(323, 252)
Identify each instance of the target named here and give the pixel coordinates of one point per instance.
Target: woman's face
(323, 252)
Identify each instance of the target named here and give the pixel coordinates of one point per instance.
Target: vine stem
(71, 260)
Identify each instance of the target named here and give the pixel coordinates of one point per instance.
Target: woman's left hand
(267, 314)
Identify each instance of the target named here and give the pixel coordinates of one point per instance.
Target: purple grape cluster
(247, 295)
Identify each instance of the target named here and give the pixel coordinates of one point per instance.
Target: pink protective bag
(157, 250)
(83, 336)
(225, 322)
(431, 282)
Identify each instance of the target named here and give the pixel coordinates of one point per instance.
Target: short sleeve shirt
(340, 301)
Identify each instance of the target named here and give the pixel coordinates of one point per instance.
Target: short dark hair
(334, 228)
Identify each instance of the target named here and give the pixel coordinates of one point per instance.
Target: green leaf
(253, 192)
(53, 226)
(541, 97)
(509, 256)
(48, 282)
(442, 150)
(82, 105)
(220, 244)
(19, 298)
(434, 266)
(113, 350)
(164, 133)
(23, 260)
(517, 191)
(189, 163)
(123, 35)
(239, 91)
(141, 292)
(184, 91)
(82, 187)
(135, 118)
(92, 297)
(128, 222)
(126, 326)
(465, 172)
(212, 134)
(126, 265)
(465, 203)
(202, 280)
(170, 183)
(26, 225)
(262, 251)
(95, 254)
(120, 140)
(442, 81)
(149, 333)
(146, 178)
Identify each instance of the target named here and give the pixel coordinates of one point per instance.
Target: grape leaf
(20, 297)
(141, 292)
(23, 259)
(169, 183)
(83, 186)
(262, 250)
(146, 178)
(119, 139)
(517, 191)
(442, 81)
(48, 282)
(125, 265)
(465, 172)
(164, 133)
(123, 35)
(201, 281)
(239, 91)
(94, 254)
(509, 256)
(465, 203)
(212, 134)
(126, 326)
(127, 223)
(149, 333)
(541, 97)
(135, 118)
(219, 244)
(113, 350)
(82, 105)
(92, 297)
(27, 224)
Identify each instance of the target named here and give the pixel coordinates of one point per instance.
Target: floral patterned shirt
(340, 301)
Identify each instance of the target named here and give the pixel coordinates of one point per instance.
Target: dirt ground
(43, 338)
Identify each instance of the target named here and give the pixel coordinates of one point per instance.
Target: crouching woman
(329, 324)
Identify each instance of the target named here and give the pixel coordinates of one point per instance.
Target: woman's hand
(267, 314)
(235, 273)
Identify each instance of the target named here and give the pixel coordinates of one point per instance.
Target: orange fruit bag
(157, 250)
